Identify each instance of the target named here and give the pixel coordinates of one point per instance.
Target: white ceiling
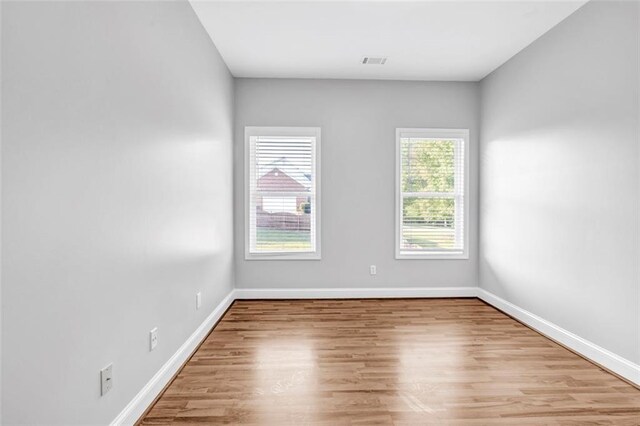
(428, 40)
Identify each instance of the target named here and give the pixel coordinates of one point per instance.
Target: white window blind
(282, 192)
(431, 193)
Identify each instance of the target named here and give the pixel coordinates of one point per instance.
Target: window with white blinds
(282, 193)
(431, 194)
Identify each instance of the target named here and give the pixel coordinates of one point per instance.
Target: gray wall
(116, 172)
(358, 121)
(559, 177)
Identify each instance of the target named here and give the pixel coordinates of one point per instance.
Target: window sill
(432, 256)
(282, 256)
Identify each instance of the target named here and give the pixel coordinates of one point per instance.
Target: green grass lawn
(276, 239)
(422, 236)
(425, 236)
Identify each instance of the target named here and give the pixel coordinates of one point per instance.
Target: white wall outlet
(373, 270)
(106, 379)
(198, 300)
(153, 339)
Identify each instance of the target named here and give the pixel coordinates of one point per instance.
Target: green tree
(428, 166)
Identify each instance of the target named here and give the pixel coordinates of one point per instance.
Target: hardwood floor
(389, 361)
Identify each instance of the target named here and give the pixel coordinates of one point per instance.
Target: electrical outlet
(106, 379)
(198, 300)
(153, 339)
(373, 270)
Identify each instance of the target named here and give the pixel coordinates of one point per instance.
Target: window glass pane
(283, 196)
(283, 232)
(427, 165)
(428, 223)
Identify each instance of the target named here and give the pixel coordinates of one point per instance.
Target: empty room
(320, 212)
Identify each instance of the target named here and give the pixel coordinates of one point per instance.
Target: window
(431, 194)
(282, 193)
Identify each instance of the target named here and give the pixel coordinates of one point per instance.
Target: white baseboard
(152, 389)
(353, 293)
(605, 358)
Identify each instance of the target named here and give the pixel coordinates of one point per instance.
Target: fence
(283, 221)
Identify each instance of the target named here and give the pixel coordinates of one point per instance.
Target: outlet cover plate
(153, 339)
(106, 379)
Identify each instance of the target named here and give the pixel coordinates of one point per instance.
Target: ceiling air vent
(371, 60)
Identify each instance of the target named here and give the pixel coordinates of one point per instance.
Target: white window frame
(254, 131)
(432, 134)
